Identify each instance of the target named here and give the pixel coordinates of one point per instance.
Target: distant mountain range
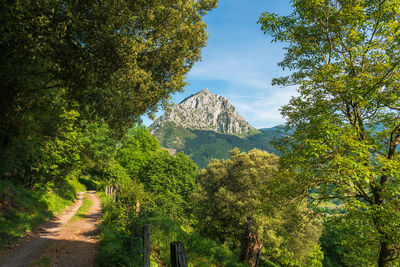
(206, 126)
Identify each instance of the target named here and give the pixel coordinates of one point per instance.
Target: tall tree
(109, 60)
(345, 123)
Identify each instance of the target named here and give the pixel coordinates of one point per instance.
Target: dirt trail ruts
(61, 243)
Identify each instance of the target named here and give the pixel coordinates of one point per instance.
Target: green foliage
(169, 179)
(50, 159)
(99, 147)
(119, 64)
(90, 184)
(266, 263)
(120, 242)
(346, 242)
(202, 146)
(74, 76)
(200, 251)
(344, 124)
(84, 74)
(136, 150)
(151, 177)
(230, 190)
(244, 186)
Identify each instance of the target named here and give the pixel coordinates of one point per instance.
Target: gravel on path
(59, 242)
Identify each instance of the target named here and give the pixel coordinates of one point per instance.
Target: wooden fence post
(178, 257)
(116, 193)
(146, 245)
(137, 207)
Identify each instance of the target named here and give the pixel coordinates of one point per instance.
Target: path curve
(59, 242)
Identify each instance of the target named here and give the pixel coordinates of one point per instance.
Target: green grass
(22, 210)
(103, 197)
(83, 209)
(77, 186)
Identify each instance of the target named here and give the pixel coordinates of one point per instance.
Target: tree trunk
(384, 254)
(251, 245)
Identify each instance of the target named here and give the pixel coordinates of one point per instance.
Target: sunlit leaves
(345, 124)
(247, 185)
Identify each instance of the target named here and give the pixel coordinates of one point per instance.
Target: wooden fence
(177, 249)
(111, 190)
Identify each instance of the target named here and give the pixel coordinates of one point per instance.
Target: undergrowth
(200, 251)
(121, 241)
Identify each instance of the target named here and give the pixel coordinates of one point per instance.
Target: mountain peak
(206, 111)
(204, 91)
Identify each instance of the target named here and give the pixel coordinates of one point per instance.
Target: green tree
(346, 242)
(169, 179)
(137, 149)
(98, 147)
(108, 60)
(344, 125)
(237, 203)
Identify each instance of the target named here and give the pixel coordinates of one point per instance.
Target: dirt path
(60, 243)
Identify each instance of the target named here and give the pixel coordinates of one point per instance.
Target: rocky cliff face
(206, 111)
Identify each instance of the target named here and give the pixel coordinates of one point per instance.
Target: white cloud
(246, 72)
(263, 111)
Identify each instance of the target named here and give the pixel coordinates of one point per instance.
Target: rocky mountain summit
(206, 126)
(205, 111)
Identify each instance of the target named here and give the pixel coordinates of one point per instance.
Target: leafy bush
(200, 251)
(119, 244)
(121, 241)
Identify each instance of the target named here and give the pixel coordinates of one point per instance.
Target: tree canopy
(96, 61)
(169, 179)
(345, 123)
(236, 202)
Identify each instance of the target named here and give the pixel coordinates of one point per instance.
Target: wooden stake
(178, 257)
(146, 245)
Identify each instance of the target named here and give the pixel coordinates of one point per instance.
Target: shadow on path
(59, 243)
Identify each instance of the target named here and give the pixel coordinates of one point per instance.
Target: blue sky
(239, 62)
